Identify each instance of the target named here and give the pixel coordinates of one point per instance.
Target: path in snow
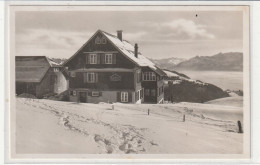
(127, 129)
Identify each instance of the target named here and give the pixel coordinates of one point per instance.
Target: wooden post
(239, 127)
(183, 118)
(112, 107)
(148, 111)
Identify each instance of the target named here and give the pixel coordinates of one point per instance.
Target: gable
(104, 42)
(104, 46)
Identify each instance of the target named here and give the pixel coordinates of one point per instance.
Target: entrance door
(82, 97)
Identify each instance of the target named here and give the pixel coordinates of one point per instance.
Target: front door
(82, 97)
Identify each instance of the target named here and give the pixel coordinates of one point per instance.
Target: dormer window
(98, 40)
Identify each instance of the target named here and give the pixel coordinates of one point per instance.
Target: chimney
(136, 50)
(119, 34)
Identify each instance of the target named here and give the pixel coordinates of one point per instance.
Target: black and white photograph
(129, 81)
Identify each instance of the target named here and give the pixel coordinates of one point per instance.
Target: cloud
(135, 36)
(40, 41)
(188, 29)
(179, 29)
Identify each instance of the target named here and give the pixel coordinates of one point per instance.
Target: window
(56, 69)
(104, 41)
(108, 58)
(124, 96)
(97, 40)
(72, 74)
(93, 59)
(90, 77)
(147, 92)
(74, 93)
(95, 93)
(153, 92)
(149, 76)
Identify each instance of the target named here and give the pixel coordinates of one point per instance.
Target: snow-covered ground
(45, 126)
(235, 100)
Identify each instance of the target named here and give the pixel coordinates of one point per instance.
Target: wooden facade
(101, 71)
(35, 75)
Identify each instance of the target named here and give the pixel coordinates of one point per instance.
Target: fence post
(239, 127)
(183, 118)
(112, 107)
(148, 111)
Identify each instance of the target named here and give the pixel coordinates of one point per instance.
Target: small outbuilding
(39, 75)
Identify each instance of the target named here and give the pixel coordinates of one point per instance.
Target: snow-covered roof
(170, 74)
(53, 63)
(128, 49)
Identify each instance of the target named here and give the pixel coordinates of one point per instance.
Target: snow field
(46, 126)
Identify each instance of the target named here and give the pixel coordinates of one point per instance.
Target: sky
(159, 34)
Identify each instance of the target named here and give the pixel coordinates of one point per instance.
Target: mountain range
(232, 61)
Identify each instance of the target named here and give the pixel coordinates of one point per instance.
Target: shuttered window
(90, 77)
(93, 59)
(108, 58)
(124, 96)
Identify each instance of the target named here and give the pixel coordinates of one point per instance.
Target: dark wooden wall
(45, 86)
(104, 82)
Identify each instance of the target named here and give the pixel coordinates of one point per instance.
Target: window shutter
(129, 96)
(102, 58)
(87, 59)
(96, 77)
(118, 96)
(98, 58)
(114, 59)
(85, 77)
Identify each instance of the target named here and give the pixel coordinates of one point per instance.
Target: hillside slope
(179, 88)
